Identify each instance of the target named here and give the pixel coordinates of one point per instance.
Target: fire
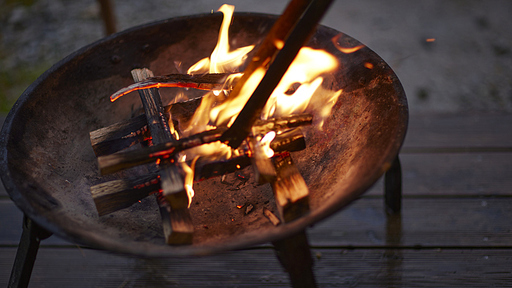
(300, 90)
(189, 178)
(222, 59)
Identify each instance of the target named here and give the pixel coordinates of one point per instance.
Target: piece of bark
(290, 190)
(178, 221)
(173, 186)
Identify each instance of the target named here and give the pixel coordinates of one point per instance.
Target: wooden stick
(298, 36)
(171, 179)
(214, 81)
(116, 162)
(119, 136)
(124, 134)
(119, 194)
(178, 231)
(119, 161)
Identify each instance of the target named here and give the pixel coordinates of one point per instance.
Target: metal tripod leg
(295, 257)
(26, 254)
(393, 188)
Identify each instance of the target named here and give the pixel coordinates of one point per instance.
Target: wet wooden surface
(454, 230)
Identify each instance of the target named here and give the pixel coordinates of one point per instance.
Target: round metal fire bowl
(48, 165)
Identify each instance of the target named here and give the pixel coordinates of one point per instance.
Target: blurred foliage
(14, 82)
(20, 2)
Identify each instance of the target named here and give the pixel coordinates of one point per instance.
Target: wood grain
(71, 267)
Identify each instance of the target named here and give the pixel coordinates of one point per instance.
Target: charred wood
(172, 185)
(202, 82)
(118, 136)
(119, 194)
(122, 160)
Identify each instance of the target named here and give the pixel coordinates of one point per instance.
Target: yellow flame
(346, 50)
(222, 59)
(300, 90)
(264, 144)
(189, 178)
(306, 69)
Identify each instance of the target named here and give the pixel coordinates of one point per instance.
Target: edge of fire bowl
(45, 163)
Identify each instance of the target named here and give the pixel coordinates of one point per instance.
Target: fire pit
(48, 165)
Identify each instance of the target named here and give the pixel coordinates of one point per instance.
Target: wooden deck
(455, 229)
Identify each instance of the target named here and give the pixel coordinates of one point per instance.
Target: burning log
(178, 220)
(116, 162)
(119, 194)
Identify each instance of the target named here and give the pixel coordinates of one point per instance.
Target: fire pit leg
(393, 188)
(295, 257)
(27, 252)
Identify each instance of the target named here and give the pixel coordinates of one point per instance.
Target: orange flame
(346, 50)
(222, 59)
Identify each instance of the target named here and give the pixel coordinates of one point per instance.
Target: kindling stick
(176, 220)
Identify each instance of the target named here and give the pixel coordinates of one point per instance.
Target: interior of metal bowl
(48, 164)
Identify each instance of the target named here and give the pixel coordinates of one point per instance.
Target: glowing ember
(430, 39)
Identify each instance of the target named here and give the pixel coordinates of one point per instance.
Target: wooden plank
(454, 174)
(459, 131)
(259, 268)
(442, 222)
(466, 222)
(11, 221)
